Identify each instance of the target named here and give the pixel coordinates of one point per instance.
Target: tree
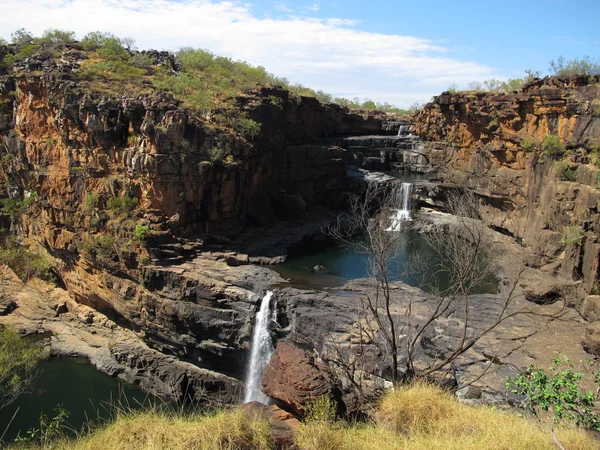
(461, 255)
(18, 360)
(576, 66)
(21, 37)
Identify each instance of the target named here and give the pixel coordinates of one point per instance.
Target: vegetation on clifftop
(198, 78)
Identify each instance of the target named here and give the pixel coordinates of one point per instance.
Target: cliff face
(494, 144)
(119, 183)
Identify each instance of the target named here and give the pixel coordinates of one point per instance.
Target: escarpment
(138, 201)
(532, 156)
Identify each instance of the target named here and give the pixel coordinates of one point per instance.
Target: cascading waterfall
(403, 130)
(261, 351)
(403, 213)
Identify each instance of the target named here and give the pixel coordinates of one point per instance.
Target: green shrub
(141, 61)
(275, 101)
(321, 410)
(572, 235)
(529, 144)
(14, 207)
(25, 263)
(105, 245)
(55, 39)
(21, 37)
(575, 66)
(552, 147)
(141, 232)
(564, 171)
(216, 154)
(111, 71)
(248, 128)
(122, 205)
(91, 200)
(557, 390)
(18, 360)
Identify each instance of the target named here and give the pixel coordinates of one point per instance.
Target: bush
(105, 245)
(141, 232)
(55, 39)
(122, 205)
(13, 207)
(216, 154)
(322, 409)
(557, 390)
(90, 201)
(248, 128)
(529, 144)
(564, 171)
(552, 147)
(575, 66)
(111, 71)
(25, 263)
(18, 360)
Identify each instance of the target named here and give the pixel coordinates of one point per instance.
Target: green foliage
(552, 147)
(576, 66)
(216, 154)
(529, 144)
(572, 236)
(122, 205)
(452, 89)
(141, 232)
(21, 37)
(18, 360)
(564, 171)
(50, 429)
(275, 101)
(321, 410)
(557, 389)
(14, 207)
(107, 45)
(55, 39)
(598, 181)
(141, 61)
(25, 263)
(247, 127)
(105, 245)
(91, 200)
(114, 70)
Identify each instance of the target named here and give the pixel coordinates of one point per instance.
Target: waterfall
(403, 130)
(402, 198)
(261, 352)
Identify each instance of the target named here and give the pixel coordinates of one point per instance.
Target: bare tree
(458, 260)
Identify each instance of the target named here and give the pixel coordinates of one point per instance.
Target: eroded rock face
(475, 140)
(294, 377)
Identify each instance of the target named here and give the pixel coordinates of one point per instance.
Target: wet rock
(319, 268)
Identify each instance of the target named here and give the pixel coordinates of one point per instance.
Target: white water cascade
(261, 352)
(402, 197)
(403, 130)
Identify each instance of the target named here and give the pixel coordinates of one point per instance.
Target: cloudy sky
(394, 51)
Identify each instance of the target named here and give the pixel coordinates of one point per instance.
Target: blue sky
(395, 51)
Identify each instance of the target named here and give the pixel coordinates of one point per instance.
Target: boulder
(590, 309)
(592, 339)
(294, 377)
(284, 425)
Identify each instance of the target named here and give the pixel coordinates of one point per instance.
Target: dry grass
(154, 430)
(423, 417)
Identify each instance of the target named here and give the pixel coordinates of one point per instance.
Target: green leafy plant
(564, 171)
(216, 154)
(18, 360)
(141, 232)
(529, 144)
(91, 201)
(25, 263)
(50, 429)
(557, 389)
(122, 205)
(247, 127)
(552, 147)
(321, 410)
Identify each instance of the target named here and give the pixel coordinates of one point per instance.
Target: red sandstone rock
(294, 377)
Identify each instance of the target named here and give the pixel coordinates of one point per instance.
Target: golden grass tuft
(423, 417)
(154, 430)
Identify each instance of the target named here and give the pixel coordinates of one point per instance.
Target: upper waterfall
(402, 198)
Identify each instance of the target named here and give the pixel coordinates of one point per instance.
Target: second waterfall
(260, 351)
(402, 197)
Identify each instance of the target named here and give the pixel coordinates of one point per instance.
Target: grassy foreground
(420, 417)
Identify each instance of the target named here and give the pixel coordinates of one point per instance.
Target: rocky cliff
(140, 203)
(541, 189)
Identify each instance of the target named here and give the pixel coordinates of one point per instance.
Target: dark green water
(344, 263)
(75, 385)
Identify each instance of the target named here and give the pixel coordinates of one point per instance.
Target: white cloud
(329, 54)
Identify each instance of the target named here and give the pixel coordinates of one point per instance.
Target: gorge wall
(494, 144)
